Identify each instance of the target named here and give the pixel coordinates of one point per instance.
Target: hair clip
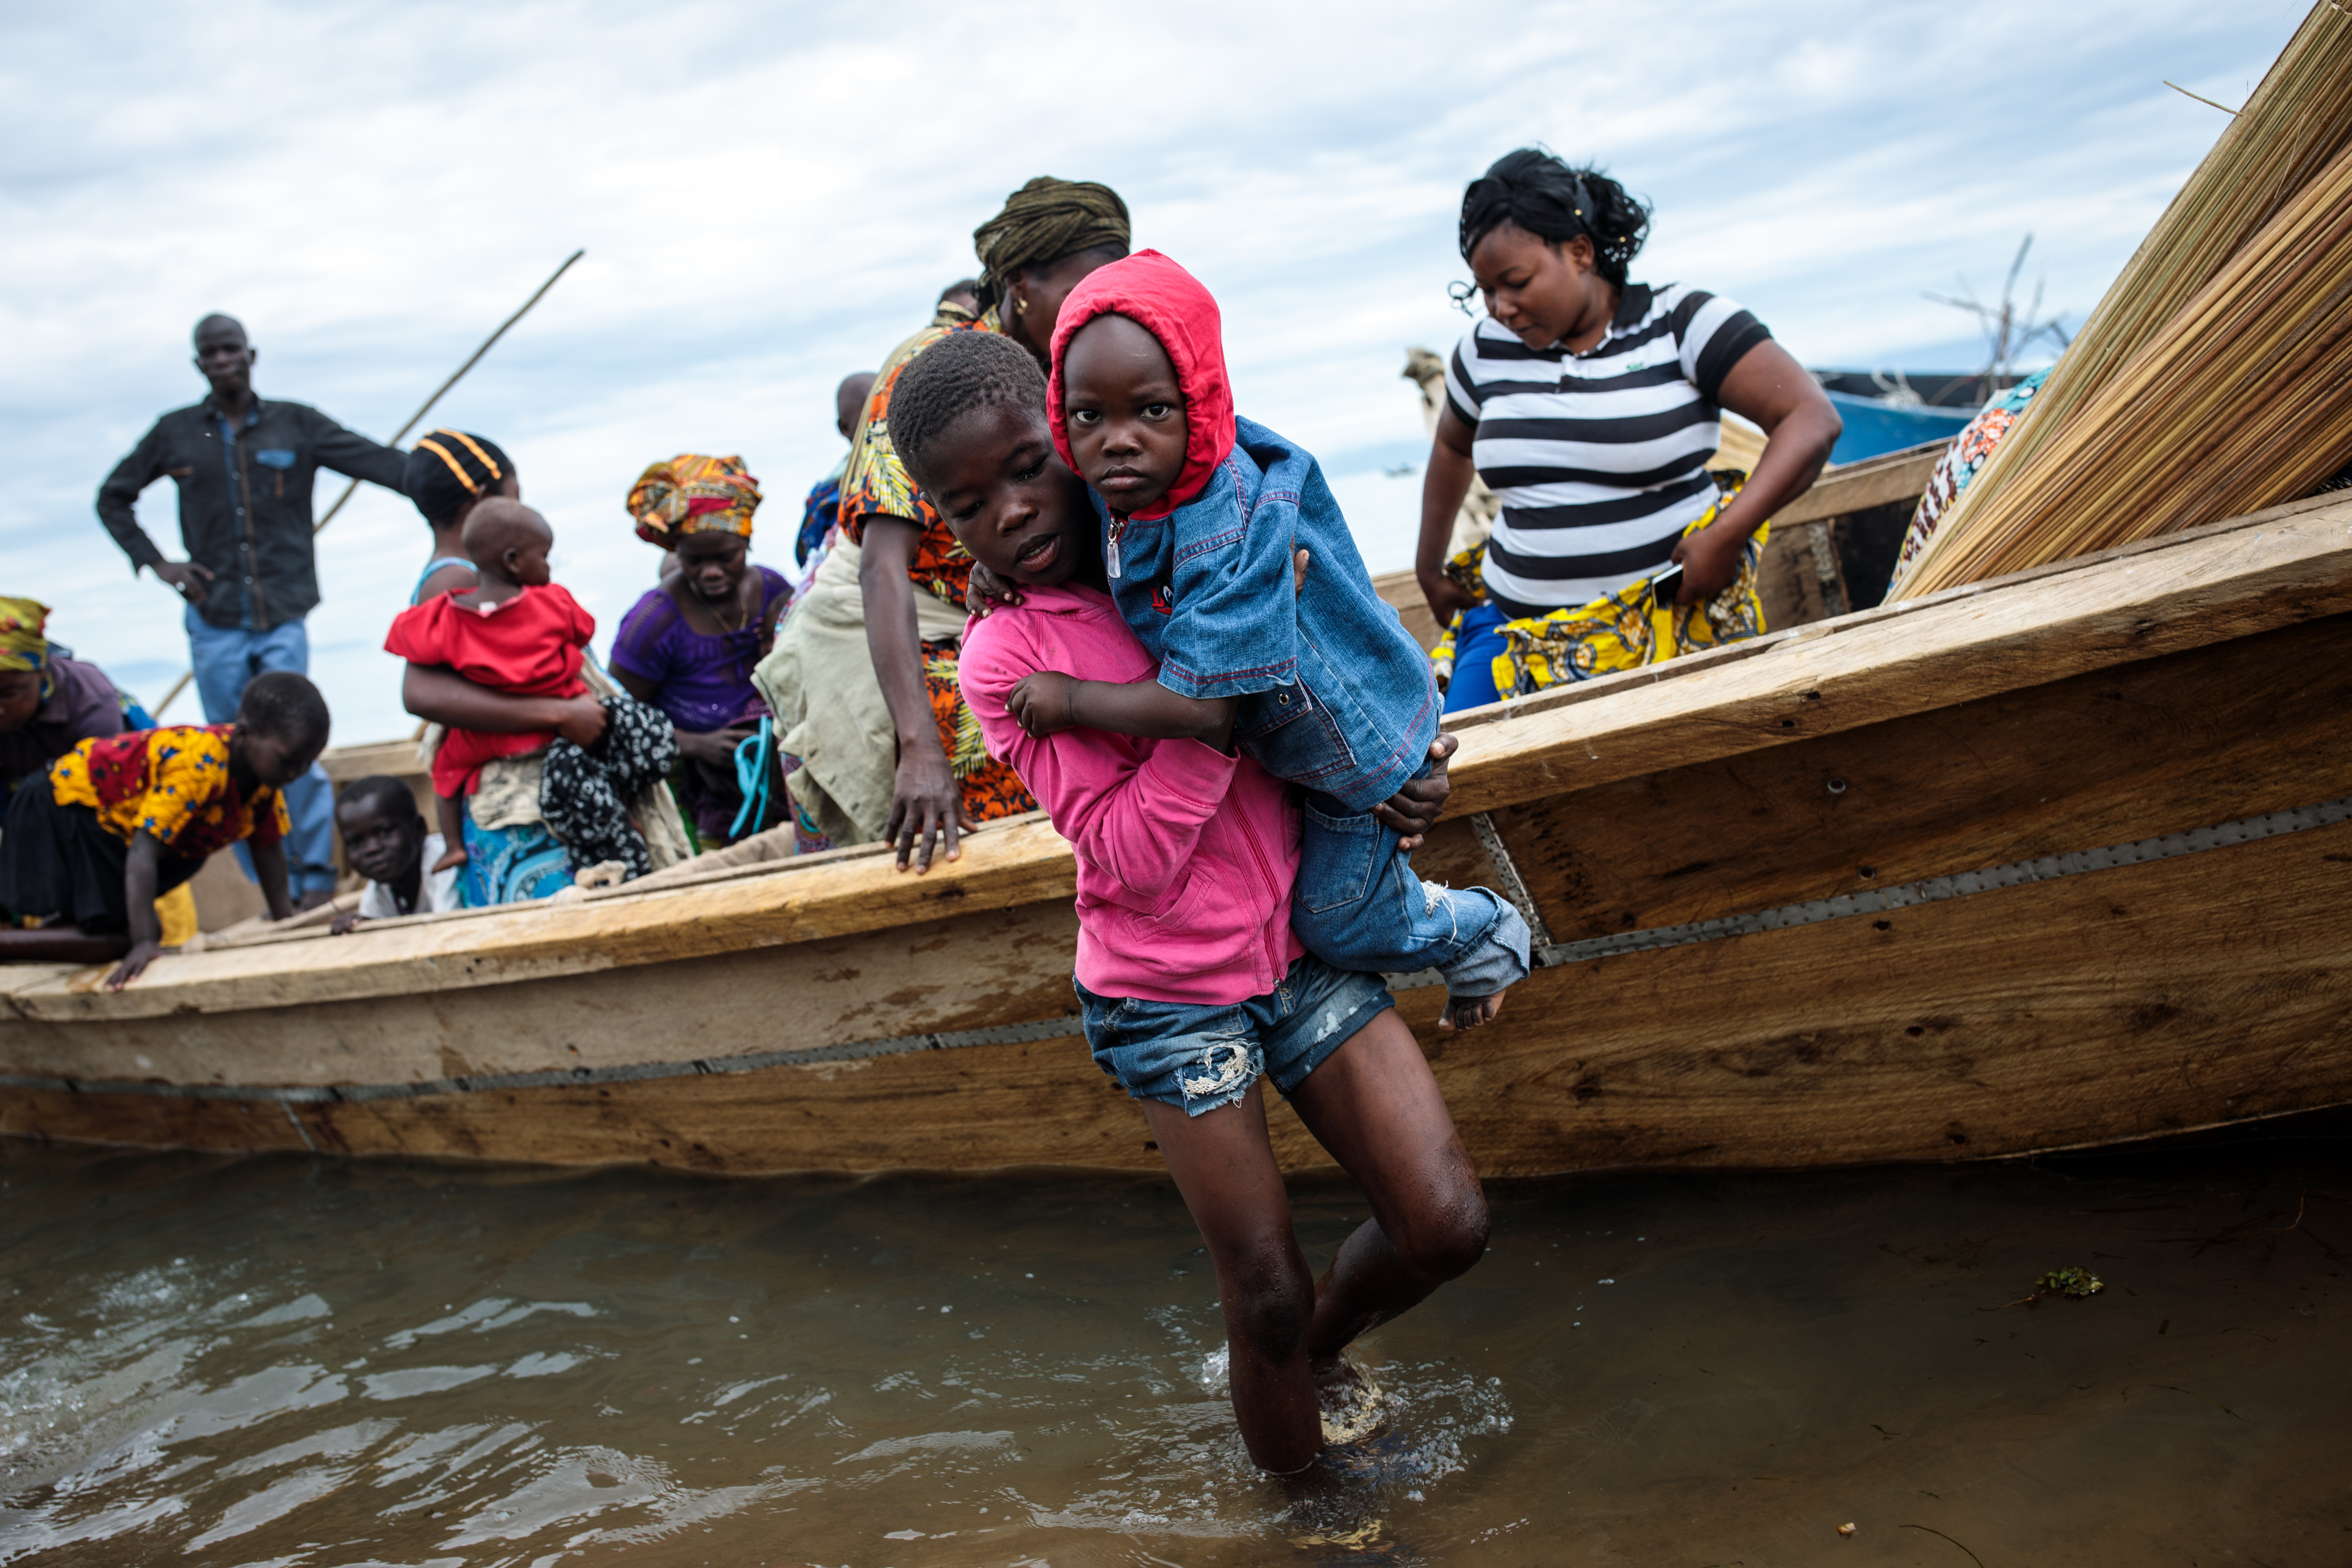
(1461, 294)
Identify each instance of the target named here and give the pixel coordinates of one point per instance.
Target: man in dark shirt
(245, 468)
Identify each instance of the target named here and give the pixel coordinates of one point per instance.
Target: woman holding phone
(1590, 406)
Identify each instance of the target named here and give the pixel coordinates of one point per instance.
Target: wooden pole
(413, 421)
(455, 376)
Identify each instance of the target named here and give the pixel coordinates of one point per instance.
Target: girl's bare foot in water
(1469, 1012)
(1350, 1403)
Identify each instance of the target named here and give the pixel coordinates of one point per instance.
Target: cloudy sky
(771, 195)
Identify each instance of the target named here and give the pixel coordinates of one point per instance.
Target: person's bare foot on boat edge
(1469, 1012)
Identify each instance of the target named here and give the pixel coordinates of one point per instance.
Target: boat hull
(2028, 880)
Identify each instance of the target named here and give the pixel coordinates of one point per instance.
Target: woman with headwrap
(449, 474)
(689, 645)
(896, 754)
(46, 701)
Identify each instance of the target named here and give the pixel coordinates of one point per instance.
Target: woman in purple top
(689, 645)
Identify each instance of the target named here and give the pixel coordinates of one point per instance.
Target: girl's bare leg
(1375, 1107)
(1224, 1166)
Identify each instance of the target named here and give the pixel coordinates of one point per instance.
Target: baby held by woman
(1199, 970)
(517, 632)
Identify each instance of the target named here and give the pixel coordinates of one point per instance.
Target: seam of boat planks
(2230, 581)
(1911, 895)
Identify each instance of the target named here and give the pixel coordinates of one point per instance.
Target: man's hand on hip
(187, 578)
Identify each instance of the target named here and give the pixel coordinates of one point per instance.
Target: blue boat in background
(1875, 425)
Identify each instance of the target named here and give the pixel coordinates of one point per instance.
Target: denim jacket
(1336, 696)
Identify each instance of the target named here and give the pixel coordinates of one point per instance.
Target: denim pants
(1358, 905)
(225, 658)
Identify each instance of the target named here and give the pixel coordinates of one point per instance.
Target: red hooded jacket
(1170, 304)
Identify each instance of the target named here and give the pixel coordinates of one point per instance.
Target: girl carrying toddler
(1192, 985)
(1202, 515)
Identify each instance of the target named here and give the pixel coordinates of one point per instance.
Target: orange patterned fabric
(878, 484)
(173, 784)
(991, 789)
(693, 494)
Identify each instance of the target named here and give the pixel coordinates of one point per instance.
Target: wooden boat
(2052, 861)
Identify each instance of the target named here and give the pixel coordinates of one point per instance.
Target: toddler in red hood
(1202, 513)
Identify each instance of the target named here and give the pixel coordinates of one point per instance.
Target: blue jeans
(1358, 905)
(225, 659)
(1476, 649)
(1203, 1057)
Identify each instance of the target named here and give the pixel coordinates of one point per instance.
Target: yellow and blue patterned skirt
(1624, 630)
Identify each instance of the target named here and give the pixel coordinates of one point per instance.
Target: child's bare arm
(1049, 702)
(269, 870)
(140, 868)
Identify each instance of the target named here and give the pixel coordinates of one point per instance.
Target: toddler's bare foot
(1469, 1012)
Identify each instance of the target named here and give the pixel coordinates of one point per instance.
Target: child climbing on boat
(1191, 983)
(519, 632)
(125, 818)
(1201, 512)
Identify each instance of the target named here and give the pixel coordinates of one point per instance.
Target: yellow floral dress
(173, 784)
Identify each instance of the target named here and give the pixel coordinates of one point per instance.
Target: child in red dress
(514, 632)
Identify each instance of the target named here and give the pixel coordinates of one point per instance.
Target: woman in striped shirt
(1590, 406)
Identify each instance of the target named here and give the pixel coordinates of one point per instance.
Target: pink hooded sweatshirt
(1154, 292)
(1185, 855)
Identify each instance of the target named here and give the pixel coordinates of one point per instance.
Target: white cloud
(771, 195)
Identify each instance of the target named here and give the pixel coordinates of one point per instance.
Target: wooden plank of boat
(1972, 937)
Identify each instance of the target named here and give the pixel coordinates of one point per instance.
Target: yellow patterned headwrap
(23, 643)
(693, 494)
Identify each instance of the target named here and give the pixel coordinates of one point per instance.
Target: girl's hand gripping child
(1192, 982)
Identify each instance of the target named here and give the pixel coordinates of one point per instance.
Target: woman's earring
(1021, 306)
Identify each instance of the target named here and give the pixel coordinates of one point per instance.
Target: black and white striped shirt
(1599, 458)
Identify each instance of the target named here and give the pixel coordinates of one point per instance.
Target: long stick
(455, 376)
(413, 421)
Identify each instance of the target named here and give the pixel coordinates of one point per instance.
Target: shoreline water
(239, 1361)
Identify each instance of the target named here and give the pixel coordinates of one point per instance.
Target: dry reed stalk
(2296, 123)
(2243, 400)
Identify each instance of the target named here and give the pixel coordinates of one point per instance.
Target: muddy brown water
(271, 1362)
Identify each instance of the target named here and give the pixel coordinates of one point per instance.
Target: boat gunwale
(737, 908)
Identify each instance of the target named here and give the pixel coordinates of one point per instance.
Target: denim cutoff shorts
(1203, 1057)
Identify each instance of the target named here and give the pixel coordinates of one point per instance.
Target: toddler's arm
(1138, 820)
(1049, 702)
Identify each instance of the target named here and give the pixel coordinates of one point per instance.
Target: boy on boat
(1203, 512)
(1193, 984)
(384, 839)
(124, 819)
(517, 632)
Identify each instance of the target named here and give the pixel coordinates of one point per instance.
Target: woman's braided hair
(964, 372)
(450, 468)
(1537, 190)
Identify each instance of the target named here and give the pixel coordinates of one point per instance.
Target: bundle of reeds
(2215, 378)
